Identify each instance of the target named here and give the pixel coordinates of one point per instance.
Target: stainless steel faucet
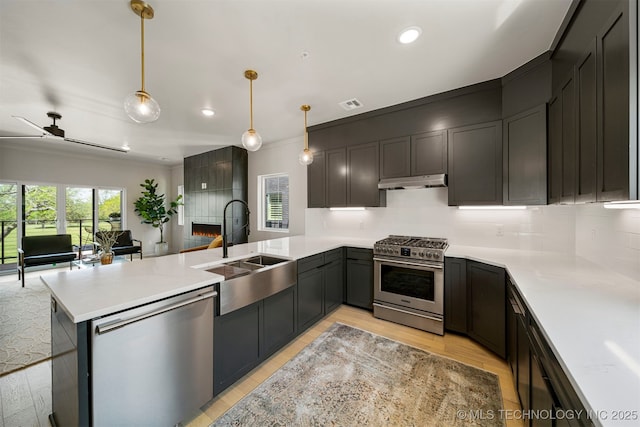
(224, 225)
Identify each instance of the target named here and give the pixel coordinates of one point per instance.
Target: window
(274, 202)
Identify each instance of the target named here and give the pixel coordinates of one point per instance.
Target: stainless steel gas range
(409, 281)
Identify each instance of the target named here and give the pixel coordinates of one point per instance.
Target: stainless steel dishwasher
(153, 365)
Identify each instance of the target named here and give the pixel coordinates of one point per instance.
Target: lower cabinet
(474, 302)
(486, 299)
(360, 278)
(542, 386)
(247, 336)
(320, 286)
(310, 297)
(236, 345)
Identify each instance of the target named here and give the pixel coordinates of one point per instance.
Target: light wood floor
(25, 395)
(453, 346)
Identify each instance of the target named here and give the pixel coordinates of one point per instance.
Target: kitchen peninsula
(589, 315)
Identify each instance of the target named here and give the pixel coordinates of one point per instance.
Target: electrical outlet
(203, 185)
(499, 231)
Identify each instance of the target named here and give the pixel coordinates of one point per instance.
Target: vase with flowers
(105, 240)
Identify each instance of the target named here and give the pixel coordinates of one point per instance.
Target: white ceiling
(81, 58)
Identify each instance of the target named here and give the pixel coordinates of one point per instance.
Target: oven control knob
(429, 254)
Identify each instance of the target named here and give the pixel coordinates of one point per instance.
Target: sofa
(43, 250)
(125, 244)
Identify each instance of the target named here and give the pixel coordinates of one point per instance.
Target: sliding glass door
(79, 216)
(8, 223)
(46, 209)
(40, 210)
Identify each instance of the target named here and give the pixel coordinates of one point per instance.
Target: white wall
(30, 165)
(176, 238)
(279, 157)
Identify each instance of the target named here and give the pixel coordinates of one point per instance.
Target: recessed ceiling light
(208, 112)
(409, 35)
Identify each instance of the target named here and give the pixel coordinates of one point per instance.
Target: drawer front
(333, 255)
(359, 253)
(310, 262)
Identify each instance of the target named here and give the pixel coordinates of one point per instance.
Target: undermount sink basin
(251, 279)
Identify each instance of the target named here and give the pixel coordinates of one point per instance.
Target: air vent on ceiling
(350, 104)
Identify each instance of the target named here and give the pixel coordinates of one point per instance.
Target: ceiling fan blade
(30, 123)
(22, 136)
(91, 144)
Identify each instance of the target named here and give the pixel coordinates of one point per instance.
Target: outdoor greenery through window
(31, 210)
(274, 194)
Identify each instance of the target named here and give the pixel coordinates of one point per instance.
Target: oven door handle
(411, 264)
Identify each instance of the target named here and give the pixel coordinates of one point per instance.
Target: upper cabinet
(475, 164)
(429, 153)
(336, 177)
(395, 157)
(612, 57)
(363, 175)
(316, 182)
(525, 158)
(589, 115)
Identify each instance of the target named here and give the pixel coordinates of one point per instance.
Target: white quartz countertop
(104, 289)
(590, 316)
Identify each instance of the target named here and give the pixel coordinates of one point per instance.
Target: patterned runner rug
(25, 324)
(351, 377)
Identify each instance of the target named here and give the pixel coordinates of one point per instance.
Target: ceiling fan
(54, 132)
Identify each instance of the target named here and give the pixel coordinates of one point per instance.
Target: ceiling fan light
(306, 157)
(251, 140)
(141, 107)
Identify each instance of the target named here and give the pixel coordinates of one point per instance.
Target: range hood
(423, 181)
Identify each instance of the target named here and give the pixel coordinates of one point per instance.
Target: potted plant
(105, 240)
(151, 207)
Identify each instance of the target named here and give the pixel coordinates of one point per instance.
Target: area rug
(25, 324)
(350, 377)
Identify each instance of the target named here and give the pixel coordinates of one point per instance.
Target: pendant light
(140, 106)
(251, 140)
(306, 156)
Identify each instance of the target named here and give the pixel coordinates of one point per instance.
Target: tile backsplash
(607, 237)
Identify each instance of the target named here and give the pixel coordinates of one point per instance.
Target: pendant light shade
(251, 140)
(140, 106)
(306, 156)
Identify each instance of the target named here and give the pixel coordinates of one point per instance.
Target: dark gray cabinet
(363, 164)
(474, 302)
(279, 320)
(320, 286)
(562, 143)
(613, 106)
(525, 157)
(236, 341)
(247, 336)
(310, 297)
(395, 157)
(486, 304)
(429, 153)
(333, 279)
(475, 164)
(336, 177)
(359, 278)
(316, 182)
(455, 295)
(540, 381)
(586, 116)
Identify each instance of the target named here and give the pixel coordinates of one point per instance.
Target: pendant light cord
(306, 134)
(142, 48)
(251, 103)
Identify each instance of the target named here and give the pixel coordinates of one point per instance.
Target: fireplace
(206, 230)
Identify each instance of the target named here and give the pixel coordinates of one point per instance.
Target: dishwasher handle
(108, 327)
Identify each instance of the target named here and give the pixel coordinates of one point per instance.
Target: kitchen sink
(252, 279)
